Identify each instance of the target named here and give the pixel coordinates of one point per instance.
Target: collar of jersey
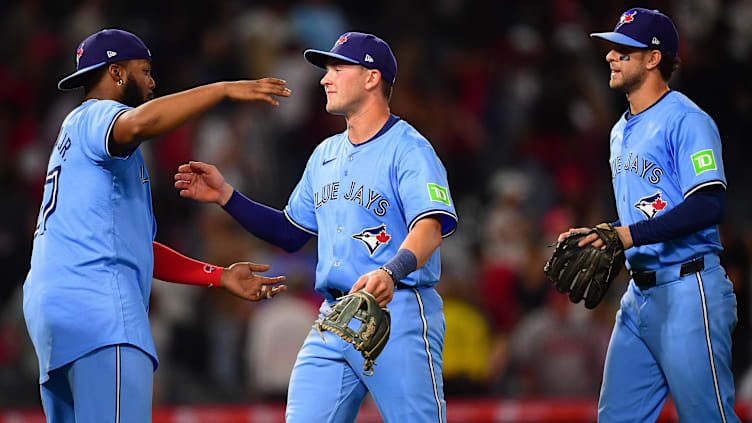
(628, 115)
(387, 126)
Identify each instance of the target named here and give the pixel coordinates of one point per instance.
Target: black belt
(336, 293)
(647, 279)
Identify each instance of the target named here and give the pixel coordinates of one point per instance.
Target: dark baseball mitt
(375, 324)
(586, 271)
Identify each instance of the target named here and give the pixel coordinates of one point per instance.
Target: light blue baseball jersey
(658, 158)
(91, 264)
(361, 201)
(676, 335)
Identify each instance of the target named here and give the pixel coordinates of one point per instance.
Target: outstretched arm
(162, 115)
(238, 279)
(203, 182)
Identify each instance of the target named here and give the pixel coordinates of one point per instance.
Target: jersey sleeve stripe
(444, 215)
(107, 137)
(299, 226)
(703, 185)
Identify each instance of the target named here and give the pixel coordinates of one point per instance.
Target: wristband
(402, 264)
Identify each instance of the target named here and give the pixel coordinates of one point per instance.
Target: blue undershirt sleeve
(704, 208)
(265, 222)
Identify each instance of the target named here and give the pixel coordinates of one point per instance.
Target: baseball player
(377, 197)
(86, 296)
(673, 331)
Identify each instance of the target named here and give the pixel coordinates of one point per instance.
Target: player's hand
(240, 281)
(377, 283)
(202, 182)
(590, 239)
(575, 231)
(625, 236)
(262, 89)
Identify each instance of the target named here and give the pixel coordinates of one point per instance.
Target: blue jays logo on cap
(341, 40)
(627, 17)
(651, 205)
(79, 52)
(358, 48)
(373, 238)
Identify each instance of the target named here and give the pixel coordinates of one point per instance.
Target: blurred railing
(458, 411)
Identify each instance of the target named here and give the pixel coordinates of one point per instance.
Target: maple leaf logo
(659, 204)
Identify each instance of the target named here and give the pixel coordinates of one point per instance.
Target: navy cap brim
(77, 78)
(618, 38)
(319, 58)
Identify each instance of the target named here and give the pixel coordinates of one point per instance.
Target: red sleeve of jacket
(171, 266)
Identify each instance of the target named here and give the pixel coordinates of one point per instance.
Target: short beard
(631, 85)
(132, 95)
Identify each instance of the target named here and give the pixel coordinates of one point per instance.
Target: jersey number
(47, 209)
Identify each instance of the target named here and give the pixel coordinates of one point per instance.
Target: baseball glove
(586, 271)
(375, 324)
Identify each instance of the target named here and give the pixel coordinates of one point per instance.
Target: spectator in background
(467, 339)
(558, 350)
(276, 333)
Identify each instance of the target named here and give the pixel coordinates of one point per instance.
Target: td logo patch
(703, 161)
(373, 238)
(651, 205)
(438, 193)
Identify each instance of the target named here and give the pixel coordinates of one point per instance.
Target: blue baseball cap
(358, 48)
(644, 28)
(106, 46)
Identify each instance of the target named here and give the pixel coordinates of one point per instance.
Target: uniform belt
(672, 273)
(336, 293)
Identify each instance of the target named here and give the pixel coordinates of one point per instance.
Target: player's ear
(118, 71)
(654, 59)
(372, 79)
(114, 71)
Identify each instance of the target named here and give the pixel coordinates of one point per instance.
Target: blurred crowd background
(514, 97)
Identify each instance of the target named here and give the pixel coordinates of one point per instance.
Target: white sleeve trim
(299, 226)
(432, 212)
(703, 185)
(107, 137)
(448, 234)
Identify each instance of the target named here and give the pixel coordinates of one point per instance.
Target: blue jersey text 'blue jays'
(372, 199)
